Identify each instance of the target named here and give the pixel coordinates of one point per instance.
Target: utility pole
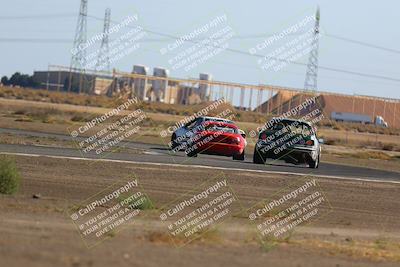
(310, 83)
(78, 60)
(103, 58)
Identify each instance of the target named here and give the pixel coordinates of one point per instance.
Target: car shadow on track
(300, 166)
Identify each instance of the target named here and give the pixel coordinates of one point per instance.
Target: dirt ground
(361, 229)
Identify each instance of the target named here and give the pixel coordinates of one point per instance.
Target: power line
(269, 34)
(249, 36)
(245, 53)
(362, 43)
(253, 67)
(44, 16)
(35, 40)
(274, 58)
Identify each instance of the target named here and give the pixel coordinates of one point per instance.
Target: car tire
(313, 164)
(173, 143)
(257, 159)
(191, 154)
(239, 157)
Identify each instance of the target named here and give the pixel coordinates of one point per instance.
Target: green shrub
(9, 176)
(144, 202)
(147, 204)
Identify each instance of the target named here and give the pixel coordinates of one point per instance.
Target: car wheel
(239, 157)
(192, 153)
(173, 143)
(314, 164)
(257, 159)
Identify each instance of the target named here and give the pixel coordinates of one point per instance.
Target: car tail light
(310, 143)
(263, 136)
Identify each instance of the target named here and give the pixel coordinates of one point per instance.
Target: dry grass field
(37, 232)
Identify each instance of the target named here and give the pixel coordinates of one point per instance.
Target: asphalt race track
(156, 154)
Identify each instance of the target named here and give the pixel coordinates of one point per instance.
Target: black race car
(294, 141)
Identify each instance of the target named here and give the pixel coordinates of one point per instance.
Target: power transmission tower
(310, 83)
(78, 60)
(103, 59)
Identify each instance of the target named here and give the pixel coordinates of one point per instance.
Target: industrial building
(72, 81)
(150, 88)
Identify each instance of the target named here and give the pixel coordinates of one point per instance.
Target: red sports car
(218, 138)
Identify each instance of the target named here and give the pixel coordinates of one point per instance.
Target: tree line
(19, 79)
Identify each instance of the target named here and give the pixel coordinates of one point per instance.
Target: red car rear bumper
(220, 149)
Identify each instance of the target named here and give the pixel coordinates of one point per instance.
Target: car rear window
(221, 128)
(218, 120)
(292, 127)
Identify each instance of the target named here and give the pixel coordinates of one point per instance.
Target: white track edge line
(206, 167)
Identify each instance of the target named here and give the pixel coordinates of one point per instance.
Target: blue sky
(373, 22)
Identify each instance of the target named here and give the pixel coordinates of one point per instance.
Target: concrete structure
(74, 81)
(147, 88)
(204, 89)
(140, 86)
(171, 95)
(188, 95)
(159, 87)
(102, 86)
